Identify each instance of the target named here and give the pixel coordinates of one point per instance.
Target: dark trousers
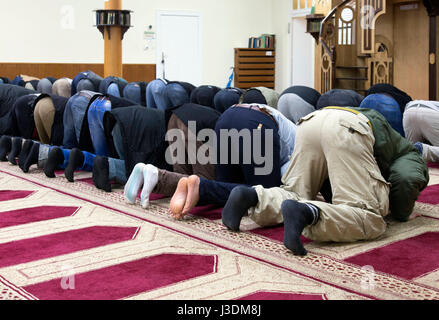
(168, 181)
(229, 175)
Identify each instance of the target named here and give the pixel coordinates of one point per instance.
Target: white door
(179, 46)
(302, 54)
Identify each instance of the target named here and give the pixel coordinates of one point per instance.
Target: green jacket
(400, 164)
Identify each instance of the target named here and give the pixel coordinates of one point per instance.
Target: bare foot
(193, 194)
(179, 198)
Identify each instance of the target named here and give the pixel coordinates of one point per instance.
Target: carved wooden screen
(370, 10)
(380, 67)
(326, 73)
(329, 41)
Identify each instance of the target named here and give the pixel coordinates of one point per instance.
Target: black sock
(27, 146)
(76, 160)
(5, 147)
(15, 150)
(32, 157)
(54, 160)
(101, 174)
(297, 216)
(240, 200)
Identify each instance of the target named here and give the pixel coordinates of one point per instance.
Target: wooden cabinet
(255, 68)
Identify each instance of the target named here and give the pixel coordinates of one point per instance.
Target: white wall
(227, 24)
(281, 23)
(50, 31)
(61, 31)
(302, 54)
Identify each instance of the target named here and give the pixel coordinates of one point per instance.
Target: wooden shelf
(255, 68)
(313, 24)
(107, 19)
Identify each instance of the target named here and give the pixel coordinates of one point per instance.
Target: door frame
(181, 13)
(295, 15)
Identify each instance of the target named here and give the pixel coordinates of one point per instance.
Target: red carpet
(34, 214)
(8, 195)
(61, 243)
(127, 279)
(70, 241)
(407, 259)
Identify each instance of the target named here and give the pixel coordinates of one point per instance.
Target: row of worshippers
(349, 148)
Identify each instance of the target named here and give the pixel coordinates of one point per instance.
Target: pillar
(433, 59)
(113, 44)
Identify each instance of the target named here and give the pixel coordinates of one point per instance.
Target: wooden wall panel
(437, 61)
(411, 29)
(132, 72)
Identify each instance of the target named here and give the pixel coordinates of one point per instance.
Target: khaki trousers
(44, 115)
(337, 144)
(62, 87)
(168, 181)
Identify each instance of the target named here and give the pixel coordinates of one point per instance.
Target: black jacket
(85, 142)
(205, 117)
(8, 96)
(22, 122)
(143, 133)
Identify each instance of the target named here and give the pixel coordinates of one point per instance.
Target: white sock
(151, 178)
(134, 184)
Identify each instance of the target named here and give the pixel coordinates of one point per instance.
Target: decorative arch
(380, 64)
(382, 40)
(370, 11)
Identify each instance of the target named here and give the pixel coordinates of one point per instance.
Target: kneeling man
(372, 170)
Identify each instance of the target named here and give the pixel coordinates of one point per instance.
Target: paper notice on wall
(407, 7)
(149, 37)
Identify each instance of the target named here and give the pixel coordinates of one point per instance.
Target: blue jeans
(388, 107)
(156, 95)
(117, 170)
(113, 89)
(87, 165)
(44, 154)
(176, 95)
(88, 162)
(132, 92)
(96, 125)
(73, 117)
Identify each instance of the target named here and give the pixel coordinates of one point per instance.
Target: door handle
(163, 64)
